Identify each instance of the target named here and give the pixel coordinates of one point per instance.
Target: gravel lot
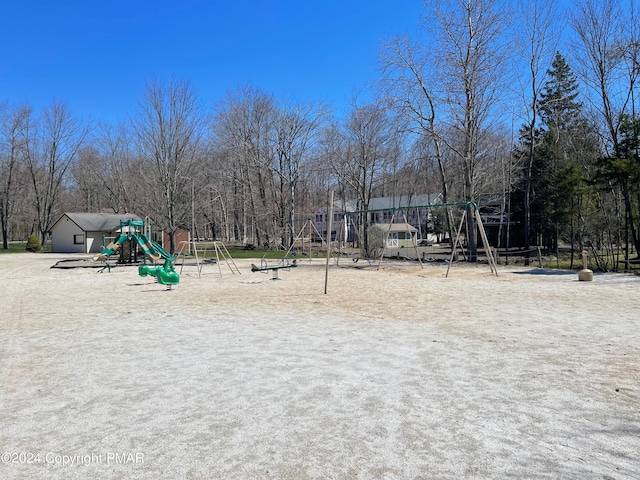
(394, 374)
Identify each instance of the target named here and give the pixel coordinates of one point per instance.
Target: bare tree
(169, 129)
(89, 188)
(471, 61)
(294, 130)
(328, 176)
(216, 192)
(368, 140)
(241, 128)
(599, 54)
(119, 170)
(52, 147)
(450, 85)
(12, 147)
(607, 53)
(538, 38)
(410, 84)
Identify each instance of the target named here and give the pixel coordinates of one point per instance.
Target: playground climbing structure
(131, 231)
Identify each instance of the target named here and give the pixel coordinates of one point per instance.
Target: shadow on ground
(542, 271)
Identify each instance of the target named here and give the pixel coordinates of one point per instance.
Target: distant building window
(78, 239)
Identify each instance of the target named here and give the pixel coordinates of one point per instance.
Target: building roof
(390, 203)
(396, 227)
(98, 222)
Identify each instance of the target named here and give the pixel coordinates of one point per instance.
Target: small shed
(83, 232)
(399, 235)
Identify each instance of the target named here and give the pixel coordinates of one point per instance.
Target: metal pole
(330, 221)
(193, 212)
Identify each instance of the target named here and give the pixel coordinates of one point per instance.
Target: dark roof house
(84, 232)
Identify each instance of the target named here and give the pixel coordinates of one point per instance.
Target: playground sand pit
(399, 373)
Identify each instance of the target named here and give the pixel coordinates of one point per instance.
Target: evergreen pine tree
(558, 105)
(623, 172)
(560, 138)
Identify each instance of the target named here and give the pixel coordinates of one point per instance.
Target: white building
(84, 232)
(414, 210)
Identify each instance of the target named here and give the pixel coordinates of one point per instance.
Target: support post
(413, 240)
(385, 240)
(485, 241)
(455, 243)
(329, 226)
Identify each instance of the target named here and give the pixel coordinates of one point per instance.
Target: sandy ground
(394, 374)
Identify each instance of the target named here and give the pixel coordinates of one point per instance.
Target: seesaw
(264, 267)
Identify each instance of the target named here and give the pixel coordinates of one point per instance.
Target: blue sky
(96, 55)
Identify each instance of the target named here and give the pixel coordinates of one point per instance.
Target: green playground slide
(166, 274)
(152, 249)
(110, 249)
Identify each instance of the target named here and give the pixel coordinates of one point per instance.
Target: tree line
(522, 101)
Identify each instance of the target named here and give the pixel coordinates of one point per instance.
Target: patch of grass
(565, 262)
(562, 265)
(21, 247)
(240, 252)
